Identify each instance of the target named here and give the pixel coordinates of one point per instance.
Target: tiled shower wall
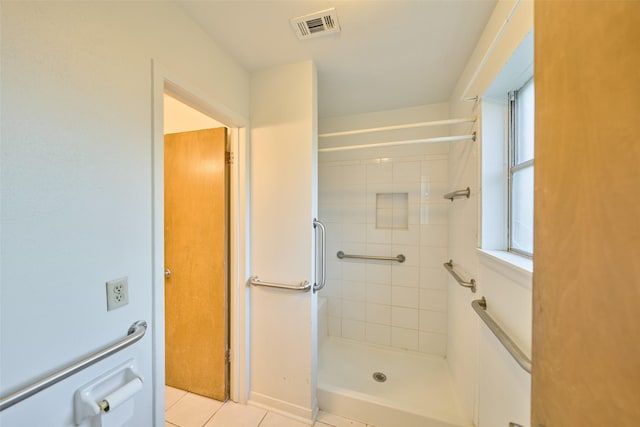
(386, 206)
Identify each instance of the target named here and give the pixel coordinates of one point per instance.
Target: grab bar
(480, 307)
(459, 193)
(471, 284)
(303, 286)
(323, 250)
(134, 334)
(398, 258)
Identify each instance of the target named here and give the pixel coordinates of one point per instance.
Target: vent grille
(316, 24)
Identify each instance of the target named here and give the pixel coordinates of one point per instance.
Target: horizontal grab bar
(471, 284)
(134, 334)
(303, 286)
(458, 193)
(398, 258)
(480, 307)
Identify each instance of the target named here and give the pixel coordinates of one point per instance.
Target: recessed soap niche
(392, 211)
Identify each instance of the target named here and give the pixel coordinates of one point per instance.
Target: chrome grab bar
(134, 334)
(471, 284)
(480, 307)
(459, 193)
(303, 286)
(323, 249)
(398, 258)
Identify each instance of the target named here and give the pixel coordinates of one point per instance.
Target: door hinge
(228, 157)
(227, 356)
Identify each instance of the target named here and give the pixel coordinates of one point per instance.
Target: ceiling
(389, 54)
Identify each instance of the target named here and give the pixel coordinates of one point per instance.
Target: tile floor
(185, 409)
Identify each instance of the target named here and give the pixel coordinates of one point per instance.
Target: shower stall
(383, 311)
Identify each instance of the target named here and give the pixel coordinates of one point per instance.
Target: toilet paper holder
(107, 391)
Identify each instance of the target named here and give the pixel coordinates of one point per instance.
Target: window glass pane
(524, 123)
(522, 210)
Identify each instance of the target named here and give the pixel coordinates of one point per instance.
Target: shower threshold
(417, 390)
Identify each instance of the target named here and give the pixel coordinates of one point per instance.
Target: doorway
(196, 218)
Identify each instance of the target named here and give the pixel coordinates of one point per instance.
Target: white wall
(484, 386)
(76, 183)
(381, 302)
(180, 117)
(283, 205)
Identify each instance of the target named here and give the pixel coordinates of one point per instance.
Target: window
(521, 143)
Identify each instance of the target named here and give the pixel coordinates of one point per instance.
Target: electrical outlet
(117, 293)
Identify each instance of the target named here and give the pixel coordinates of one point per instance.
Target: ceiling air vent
(316, 24)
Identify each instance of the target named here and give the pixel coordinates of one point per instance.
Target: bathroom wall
(492, 388)
(385, 202)
(77, 186)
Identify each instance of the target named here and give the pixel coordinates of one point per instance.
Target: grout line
(262, 419)
(214, 412)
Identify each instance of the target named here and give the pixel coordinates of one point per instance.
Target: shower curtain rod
(406, 126)
(402, 142)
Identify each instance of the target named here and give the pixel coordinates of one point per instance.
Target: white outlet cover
(117, 293)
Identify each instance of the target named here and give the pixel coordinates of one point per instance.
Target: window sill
(515, 267)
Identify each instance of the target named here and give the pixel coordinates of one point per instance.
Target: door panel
(195, 252)
(586, 326)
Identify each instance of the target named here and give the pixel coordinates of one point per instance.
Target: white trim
(402, 142)
(517, 268)
(165, 80)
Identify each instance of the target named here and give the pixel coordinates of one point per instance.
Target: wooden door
(586, 291)
(195, 252)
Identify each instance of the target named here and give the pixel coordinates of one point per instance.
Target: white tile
(384, 201)
(433, 321)
(432, 191)
(378, 249)
(433, 300)
(192, 411)
(335, 326)
(400, 219)
(332, 288)
(336, 421)
(172, 395)
(405, 338)
(433, 257)
(334, 306)
(407, 171)
(433, 343)
(408, 318)
(354, 194)
(378, 294)
(435, 170)
(434, 235)
(411, 254)
(276, 420)
(376, 234)
(353, 310)
(409, 236)
(234, 415)
(402, 275)
(405, 297)
(334, 265)
(353, 329)
(434, 278)
(378, 313)
(354, 213)
(378, 334)
(353, 270)
(330, 212)
(354, 174)
(379, 173)
(354, 291)
(378, 273)
(434, 213)
(354, 233)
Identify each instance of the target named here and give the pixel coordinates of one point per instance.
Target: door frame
(165, 80)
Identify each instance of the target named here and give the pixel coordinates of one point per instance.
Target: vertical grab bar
(323, 249)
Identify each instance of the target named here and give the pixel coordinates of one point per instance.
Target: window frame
(513, 165)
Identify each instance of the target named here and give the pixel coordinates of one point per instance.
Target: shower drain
(379, 376)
